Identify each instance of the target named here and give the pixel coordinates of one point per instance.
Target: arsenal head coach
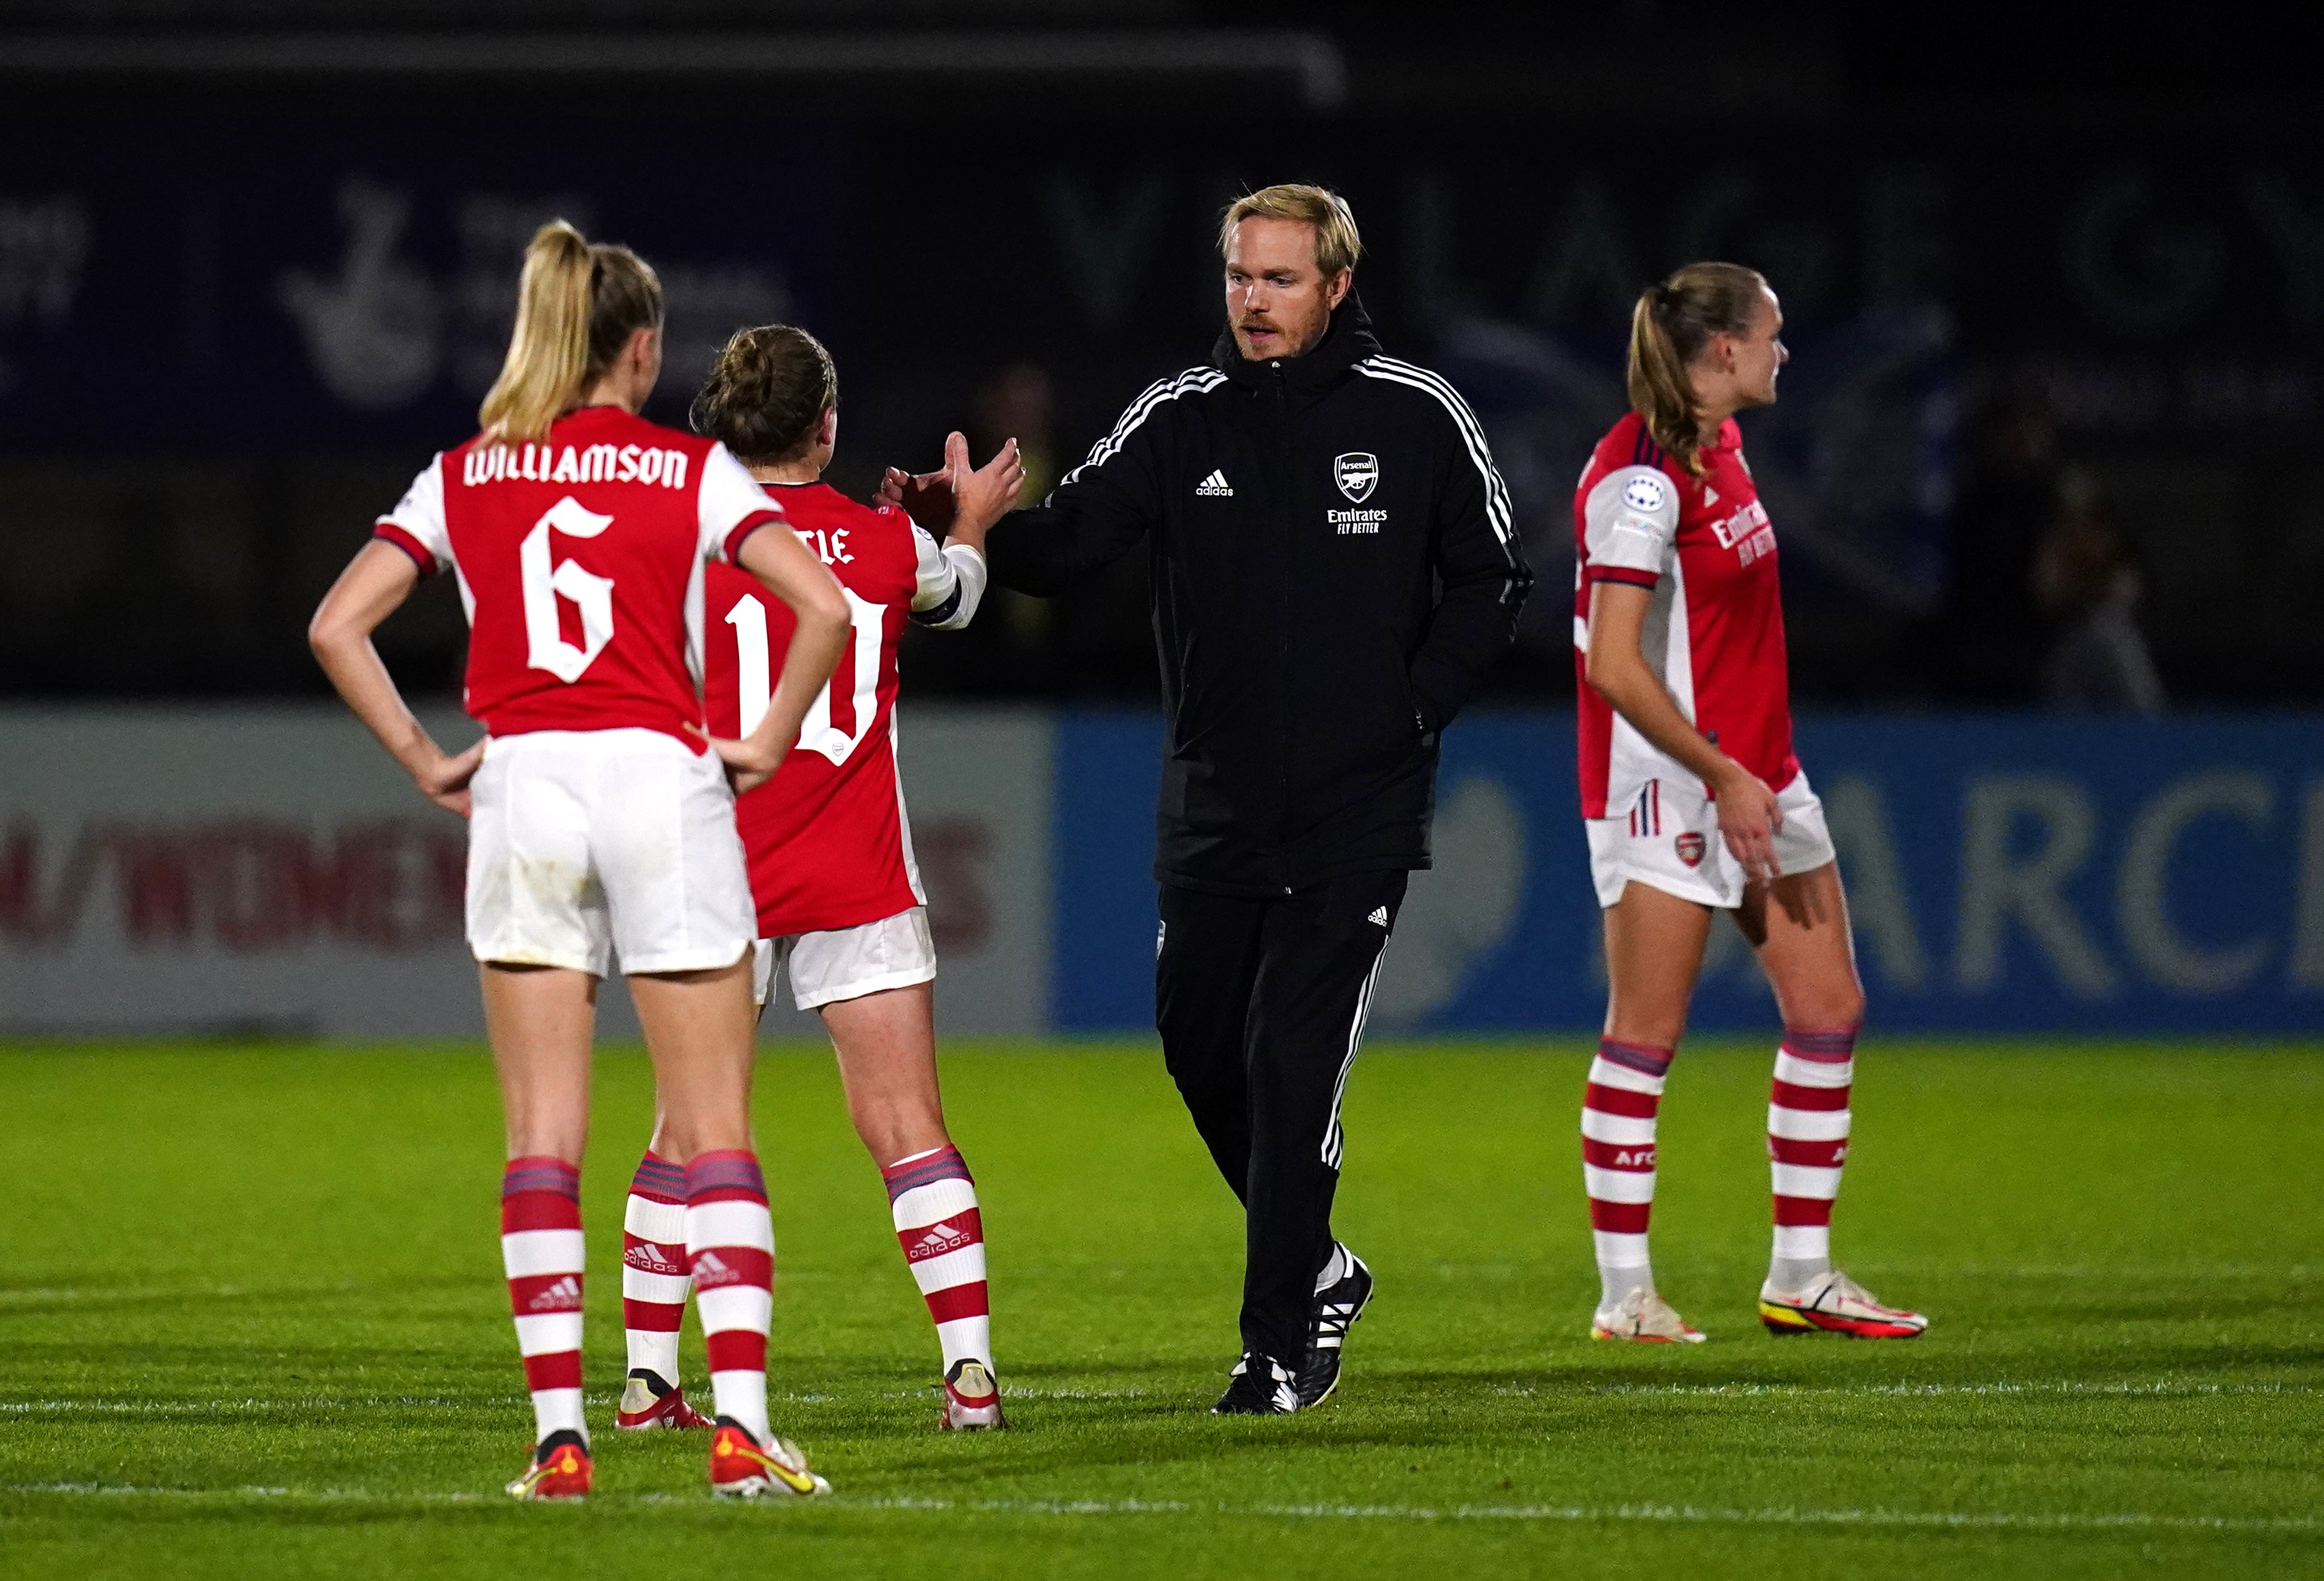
(1334, 572)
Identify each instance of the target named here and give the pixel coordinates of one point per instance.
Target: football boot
(1261, 1386)
(741, 1467)
(645, 1407)
(1833, 1303)
(971, 1398)
(560, 1470)
(1643, 1317)
(1337, 1308)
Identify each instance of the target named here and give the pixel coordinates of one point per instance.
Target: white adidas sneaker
(1644, 1318)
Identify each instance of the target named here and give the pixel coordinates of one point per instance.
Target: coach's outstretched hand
(960, 501)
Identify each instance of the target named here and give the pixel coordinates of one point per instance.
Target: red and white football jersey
(1715, 631)
(580, 562)
(827, 839)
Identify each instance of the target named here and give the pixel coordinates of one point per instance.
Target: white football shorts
(1669, 839)
(847, 963)
(586, 845)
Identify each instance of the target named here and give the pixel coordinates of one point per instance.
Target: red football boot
(972, 1400)
(744, 1468)
(560, 1470)
(642, 1409)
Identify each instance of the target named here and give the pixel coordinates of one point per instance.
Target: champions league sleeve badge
(1644, 493)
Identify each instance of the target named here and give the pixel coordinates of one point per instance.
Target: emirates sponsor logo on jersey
(939, 1240)
(1735, 529)
(1356, 522)
(1357, 472)
(574, 464)
(1691, 849)
(648, 1258)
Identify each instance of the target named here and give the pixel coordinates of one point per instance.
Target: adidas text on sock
(541, 1251)
(1807, 1146)
(933, 1201)
(654, 1280)
(1618, 1159)
(730, 1245)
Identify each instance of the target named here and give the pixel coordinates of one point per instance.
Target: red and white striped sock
(541, 1251)
(654, 1266)
(1807, 1144)
(729, 1247)
(1618, 1160)
(934, 1202)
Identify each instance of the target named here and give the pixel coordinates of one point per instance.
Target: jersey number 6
(545, 644)
(756, 678)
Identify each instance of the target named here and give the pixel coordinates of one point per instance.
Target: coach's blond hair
(1337, 245)
(576, 307)
(1669, 329)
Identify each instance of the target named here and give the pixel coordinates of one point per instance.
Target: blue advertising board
(353, 283)
(2005, 873)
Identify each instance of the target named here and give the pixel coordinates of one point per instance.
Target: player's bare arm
(374, 586)
(788, 570)
(1618, 668)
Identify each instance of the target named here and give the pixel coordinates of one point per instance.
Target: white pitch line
(296, 1495)
(2161, 1389)
(1569, 1514)
(229, 1407)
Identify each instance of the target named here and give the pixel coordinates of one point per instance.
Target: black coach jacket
(1334, 572)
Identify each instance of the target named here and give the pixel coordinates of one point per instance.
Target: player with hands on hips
(601, 824)
(1695, 803)
(840, 905)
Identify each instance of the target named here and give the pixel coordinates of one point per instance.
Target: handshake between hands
(957, 501)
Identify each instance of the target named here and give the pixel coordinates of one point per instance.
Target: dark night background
(2055, 290)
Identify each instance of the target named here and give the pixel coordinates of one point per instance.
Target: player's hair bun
(766, 394)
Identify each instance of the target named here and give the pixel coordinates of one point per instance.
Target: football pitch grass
(255, 1325)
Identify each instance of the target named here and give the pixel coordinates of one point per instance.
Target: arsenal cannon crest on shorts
(1356, 472)
(1691, 848)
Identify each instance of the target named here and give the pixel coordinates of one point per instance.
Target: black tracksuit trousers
(1261, 1004)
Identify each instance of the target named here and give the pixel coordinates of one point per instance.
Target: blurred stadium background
(2052, 567)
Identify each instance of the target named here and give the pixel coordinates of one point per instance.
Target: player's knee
(1645, 1030)
(1835, 1009)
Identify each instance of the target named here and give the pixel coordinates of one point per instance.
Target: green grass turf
(253, 1325)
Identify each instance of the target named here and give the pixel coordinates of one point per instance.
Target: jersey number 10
(757, 677)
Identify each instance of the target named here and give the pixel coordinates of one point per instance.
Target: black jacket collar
(1348, 341)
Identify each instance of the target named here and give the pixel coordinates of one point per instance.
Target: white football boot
(1833, 1303)
(1644, 1318)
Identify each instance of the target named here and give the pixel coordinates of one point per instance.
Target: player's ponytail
(1669, 330)
(576, 307)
